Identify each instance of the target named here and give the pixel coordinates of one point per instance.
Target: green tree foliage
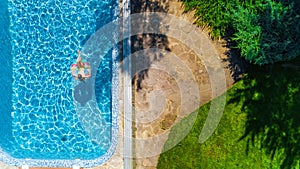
(265, 31)
(247, 32)
(267, 37)
(280, 40)
(216, 13)
(211, 13)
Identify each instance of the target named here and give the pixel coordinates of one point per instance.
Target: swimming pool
(47, 118)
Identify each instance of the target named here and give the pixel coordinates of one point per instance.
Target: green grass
(260, 127)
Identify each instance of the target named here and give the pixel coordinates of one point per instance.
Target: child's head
(80, 77)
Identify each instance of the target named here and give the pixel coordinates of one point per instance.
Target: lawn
(260, 127)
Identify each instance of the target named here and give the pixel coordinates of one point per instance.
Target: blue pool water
(38, 43)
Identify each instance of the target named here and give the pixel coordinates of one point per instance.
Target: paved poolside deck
(157, 99)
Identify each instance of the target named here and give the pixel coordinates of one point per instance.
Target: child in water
(83, 69)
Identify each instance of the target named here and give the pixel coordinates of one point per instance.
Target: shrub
(265, 31)
(247, 32)
(216, 14)
(269, 36)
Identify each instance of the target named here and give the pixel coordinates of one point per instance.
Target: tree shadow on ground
(237, 65)
(147, 40)
(271, 99)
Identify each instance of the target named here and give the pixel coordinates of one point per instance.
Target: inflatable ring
(86, 65)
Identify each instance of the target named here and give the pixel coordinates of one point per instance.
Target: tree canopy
(265, 31)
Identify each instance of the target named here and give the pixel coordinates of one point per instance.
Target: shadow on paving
(237, 65)
(271, 100)
(145, 41)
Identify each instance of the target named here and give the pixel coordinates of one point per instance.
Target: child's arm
(79, 57)
(73, 67)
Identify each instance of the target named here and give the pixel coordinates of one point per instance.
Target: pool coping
(127, 88)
